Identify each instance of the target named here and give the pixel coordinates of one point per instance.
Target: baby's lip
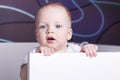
(50, 38)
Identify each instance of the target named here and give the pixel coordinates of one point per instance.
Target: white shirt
(71, 48)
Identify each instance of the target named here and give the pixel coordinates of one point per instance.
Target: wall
(13, 54)
(96, 21)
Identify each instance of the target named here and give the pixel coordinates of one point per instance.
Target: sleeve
(25, 61)
(83, 43)
(73, 47)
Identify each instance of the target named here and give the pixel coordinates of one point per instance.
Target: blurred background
(95, 21)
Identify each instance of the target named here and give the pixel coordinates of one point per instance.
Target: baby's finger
(38, 50)
(89, 50)
(47, 52)
(93, 51)
(86, 51)
(52, 51)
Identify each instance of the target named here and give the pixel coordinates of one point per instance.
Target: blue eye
(43, 27)
(58, 26)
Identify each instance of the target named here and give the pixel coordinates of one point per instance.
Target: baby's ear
(69, 34)
(35, 33)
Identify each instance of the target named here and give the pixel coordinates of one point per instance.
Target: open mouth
(50, 39)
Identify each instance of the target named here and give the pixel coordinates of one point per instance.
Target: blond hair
(54, 4)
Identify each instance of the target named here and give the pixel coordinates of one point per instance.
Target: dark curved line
(2, 40)
(86, 5)
(5, 23)
(17, 10)
(82, 6)
(38, 2)
(108, 2)
(109, 27)
(69, 9)
(16, 22)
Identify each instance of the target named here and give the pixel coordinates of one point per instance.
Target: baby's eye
(58, 26)
(43, 27)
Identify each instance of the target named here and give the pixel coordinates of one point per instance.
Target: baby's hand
(45, 50)
(90, 50)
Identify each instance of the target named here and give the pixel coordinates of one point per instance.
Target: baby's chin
(57, 48)
(51, 46)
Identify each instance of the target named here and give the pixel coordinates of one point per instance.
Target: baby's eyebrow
(41, 23)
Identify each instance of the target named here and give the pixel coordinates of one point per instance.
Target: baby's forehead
(53, 7)
(61, 10)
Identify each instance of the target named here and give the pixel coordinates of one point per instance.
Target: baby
(53, 30)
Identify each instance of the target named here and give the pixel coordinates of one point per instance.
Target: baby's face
(53, 28)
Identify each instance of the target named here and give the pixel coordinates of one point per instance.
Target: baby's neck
(61, 50)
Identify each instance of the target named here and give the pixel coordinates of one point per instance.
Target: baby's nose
(50, 30)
